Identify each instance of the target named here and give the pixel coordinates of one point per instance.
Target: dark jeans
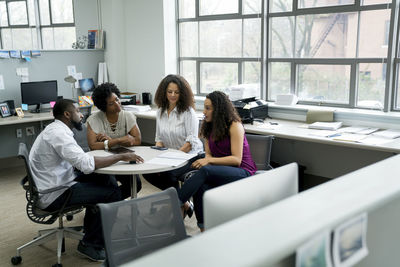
(164, 180)
(208, 177)
(125, 186)
(90, 190)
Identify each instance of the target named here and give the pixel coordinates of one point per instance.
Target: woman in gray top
(112, 127)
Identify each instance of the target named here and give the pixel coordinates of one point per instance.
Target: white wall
(138, 52)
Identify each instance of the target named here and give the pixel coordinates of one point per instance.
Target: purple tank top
(223, 148)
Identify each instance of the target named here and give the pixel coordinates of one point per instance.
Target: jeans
(164, 180)
(89, 190)
(209, 176)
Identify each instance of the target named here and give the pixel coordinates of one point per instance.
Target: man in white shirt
(53, 157)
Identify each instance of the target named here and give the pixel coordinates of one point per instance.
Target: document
(177, 155)
(358, 130)
(324, 133)
(350, 137)
(1, 82)
(390, 133)
(137, 108)
(166, 161)
(325, 125)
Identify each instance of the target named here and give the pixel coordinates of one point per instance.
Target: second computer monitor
(86, 85)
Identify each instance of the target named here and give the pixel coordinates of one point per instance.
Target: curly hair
(224, 113)
(102, 92)
(186, 98)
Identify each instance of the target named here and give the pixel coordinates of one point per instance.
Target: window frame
(239, 60)
(37, 25)
(353, 62)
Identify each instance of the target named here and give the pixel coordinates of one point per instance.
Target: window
(20, 28)
(329, 52)
(220, 43)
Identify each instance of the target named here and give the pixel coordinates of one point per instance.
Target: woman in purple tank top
(228, 157)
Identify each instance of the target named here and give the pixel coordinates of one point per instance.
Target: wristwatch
(106, 145)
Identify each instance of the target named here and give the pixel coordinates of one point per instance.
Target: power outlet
(30, 131)
(19, 133)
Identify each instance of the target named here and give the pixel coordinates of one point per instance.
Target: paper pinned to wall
(71, 70)
(1, 82)
(22, 72)
(78, 76)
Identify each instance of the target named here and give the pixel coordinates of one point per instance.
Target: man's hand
(132, 157)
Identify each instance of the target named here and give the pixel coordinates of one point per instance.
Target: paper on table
(350, 137)
(166, 161)
(137, 108)
(388, 133)
(375, 140)
(325, 125)
(323, 133)
(176, 155)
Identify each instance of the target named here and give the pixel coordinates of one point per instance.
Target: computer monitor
(37, 93)
(86, 85)
(233, 200)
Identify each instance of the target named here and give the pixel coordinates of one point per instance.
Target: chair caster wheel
(57, 265)
(16, 260)
(69, 217)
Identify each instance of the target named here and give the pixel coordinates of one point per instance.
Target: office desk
(323, 157)
(291, 130)
(125, 168)
(8, 126)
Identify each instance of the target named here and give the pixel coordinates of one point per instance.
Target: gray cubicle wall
(51, 65)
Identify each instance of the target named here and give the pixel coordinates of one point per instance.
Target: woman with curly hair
(112, 127)
(228, 157)
(176, 126)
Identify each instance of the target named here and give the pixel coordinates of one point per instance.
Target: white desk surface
(290, 130)
(147, 153)
(29, 117)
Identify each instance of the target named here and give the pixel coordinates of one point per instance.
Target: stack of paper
(350, 137)
(137, 108)
(325, 125)
(390, 134)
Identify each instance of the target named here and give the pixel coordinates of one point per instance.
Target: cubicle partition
(270, 236)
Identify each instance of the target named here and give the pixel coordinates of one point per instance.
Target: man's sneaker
(95, 254)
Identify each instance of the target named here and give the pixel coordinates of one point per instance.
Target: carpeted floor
(16, 229)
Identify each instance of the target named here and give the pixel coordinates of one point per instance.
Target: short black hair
(61, 106)
(102, 92)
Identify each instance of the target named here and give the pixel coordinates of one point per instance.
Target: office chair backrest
(32, 195)
(260, 148)
(135, 227)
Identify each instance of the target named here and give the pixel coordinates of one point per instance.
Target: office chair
(260, 148)
(38, 215)
(133, 228)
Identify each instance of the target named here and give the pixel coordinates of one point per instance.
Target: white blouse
(178, 128)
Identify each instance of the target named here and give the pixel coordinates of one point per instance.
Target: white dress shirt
(178, 128)
(53, 157)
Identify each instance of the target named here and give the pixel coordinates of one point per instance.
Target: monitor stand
(37, 109)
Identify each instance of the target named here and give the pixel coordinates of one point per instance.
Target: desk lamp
(70, 79)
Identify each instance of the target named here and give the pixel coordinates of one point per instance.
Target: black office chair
(136, 227)
(260, 148)
(38, 215)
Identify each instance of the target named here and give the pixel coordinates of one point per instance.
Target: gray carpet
(16, 229)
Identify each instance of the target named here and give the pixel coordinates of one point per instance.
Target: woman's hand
(200, 163)
(102, 137)
(127, 140)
